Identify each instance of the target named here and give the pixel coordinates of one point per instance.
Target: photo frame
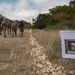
(68, 44)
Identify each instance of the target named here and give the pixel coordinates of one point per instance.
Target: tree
(63, 8)
(41, 21)
(57, 16)
(63, 16)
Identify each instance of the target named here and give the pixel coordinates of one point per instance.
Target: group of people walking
(10, 28)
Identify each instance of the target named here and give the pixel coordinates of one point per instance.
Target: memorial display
(68, 44)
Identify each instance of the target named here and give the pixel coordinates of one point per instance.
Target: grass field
(26, 55)
(51, 41)
(15, 55)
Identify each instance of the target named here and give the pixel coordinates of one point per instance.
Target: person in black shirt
(21, 28)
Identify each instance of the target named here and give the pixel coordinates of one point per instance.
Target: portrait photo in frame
(68, 44)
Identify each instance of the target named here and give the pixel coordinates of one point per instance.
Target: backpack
(21, 24)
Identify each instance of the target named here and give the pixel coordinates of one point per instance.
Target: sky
(27, 9)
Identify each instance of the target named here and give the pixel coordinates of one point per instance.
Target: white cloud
(45, 5)
(28, 9)
(5, 7)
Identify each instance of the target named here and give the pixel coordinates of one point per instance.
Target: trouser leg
(0, 32)
(4, 31)
(12, 33)
(15, 33)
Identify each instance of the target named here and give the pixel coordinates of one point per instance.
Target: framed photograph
(68, 44)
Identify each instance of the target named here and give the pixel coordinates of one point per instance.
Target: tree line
(59, 17)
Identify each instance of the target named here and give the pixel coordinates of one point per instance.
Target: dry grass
(15, 54)
(50, 40)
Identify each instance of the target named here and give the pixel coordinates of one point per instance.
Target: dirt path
(24, 56)
(15, 56)
(42, 66)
